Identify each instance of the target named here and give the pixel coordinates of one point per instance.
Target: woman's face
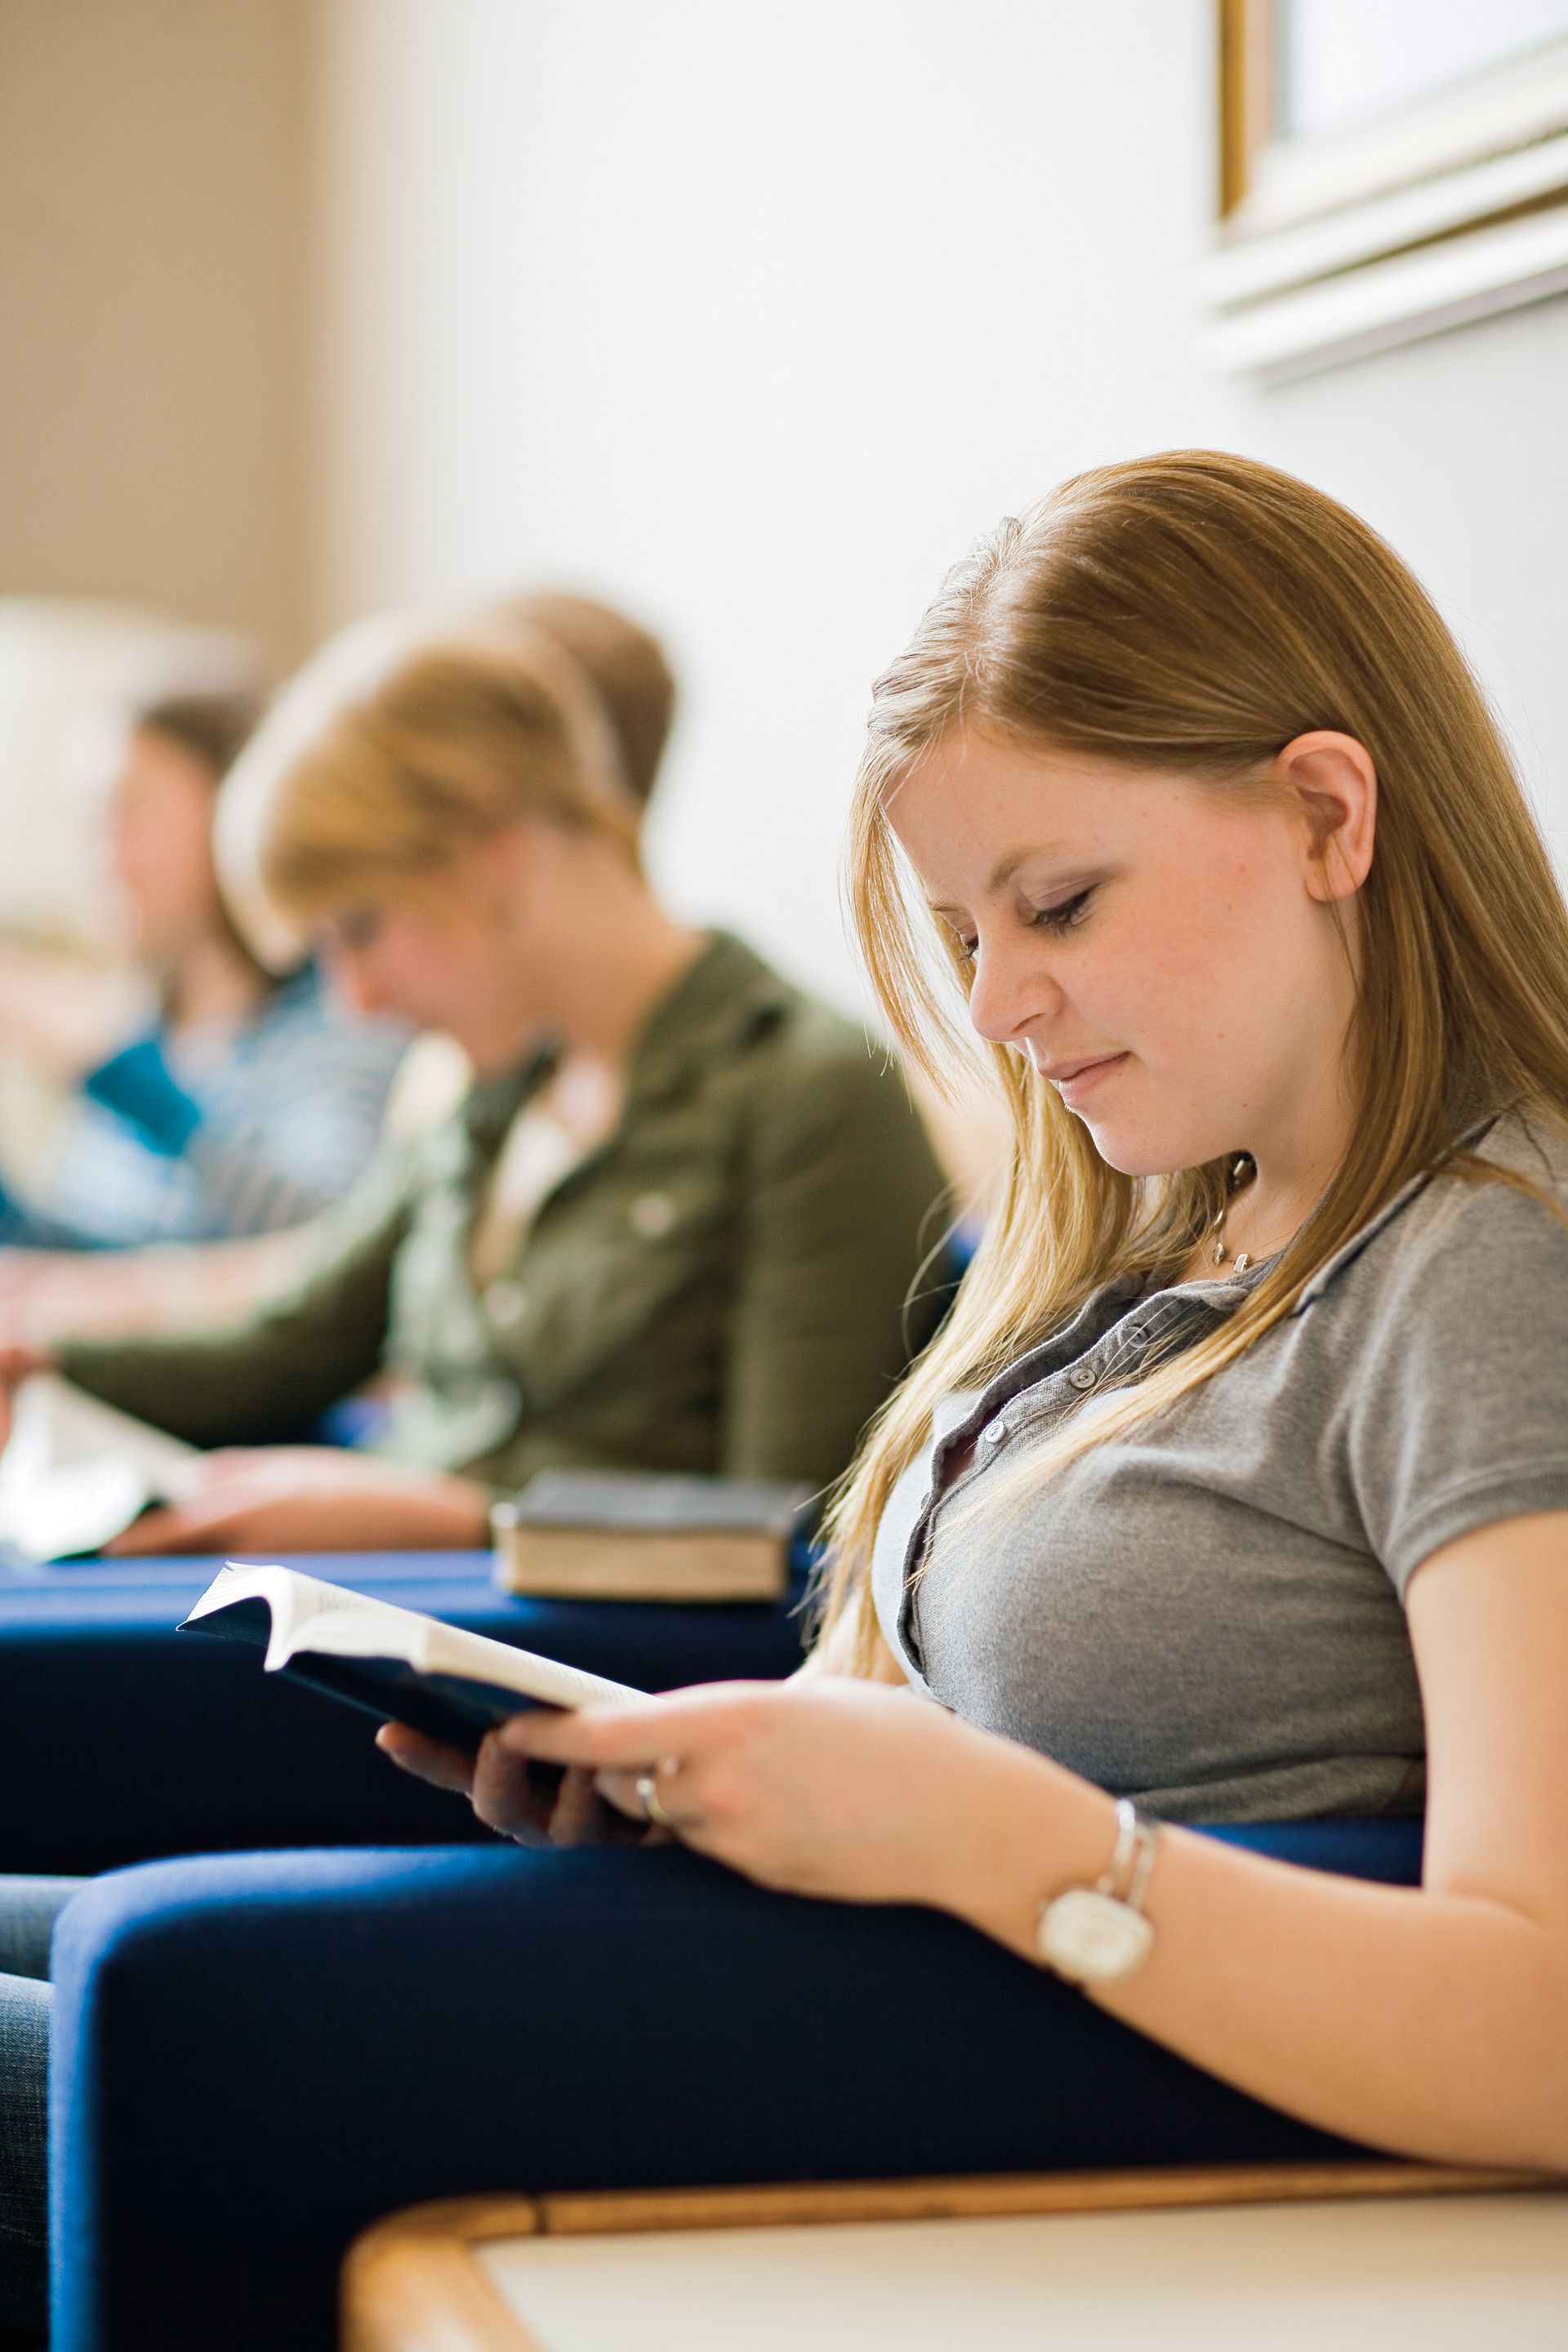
(160, 846)
(1167, 955)
(429, 963)
(458, 954)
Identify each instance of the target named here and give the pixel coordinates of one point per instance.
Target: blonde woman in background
(672, 1225)
(1234, 1492)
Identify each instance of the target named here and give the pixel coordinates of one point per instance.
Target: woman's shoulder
(785, 1036)
(1507, 1190)
(1472, 1245)
(1448, 1347)
(800, 1080)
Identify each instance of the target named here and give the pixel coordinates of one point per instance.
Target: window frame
(1444, 210)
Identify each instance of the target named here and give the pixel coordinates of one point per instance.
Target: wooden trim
(1246, 93)
(1047, 2193)
(411, 2283)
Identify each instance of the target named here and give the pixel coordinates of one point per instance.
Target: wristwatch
(1099, 1934)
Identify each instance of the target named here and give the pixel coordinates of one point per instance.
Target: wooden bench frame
(411, 2283)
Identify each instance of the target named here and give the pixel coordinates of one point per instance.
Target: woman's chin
(1134, 1153)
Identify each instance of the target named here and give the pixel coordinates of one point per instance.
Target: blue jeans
(28, 1909)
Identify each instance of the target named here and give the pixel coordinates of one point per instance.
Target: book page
(77, 1472)
(332, 1621)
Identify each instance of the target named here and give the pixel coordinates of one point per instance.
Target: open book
(393, 1663)
(75, 1472)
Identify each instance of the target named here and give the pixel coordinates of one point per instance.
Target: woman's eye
(358, 927)
(1064, 915)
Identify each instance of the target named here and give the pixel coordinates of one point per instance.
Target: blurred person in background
(247, 1103)
(675, 1221)
(46, 1292)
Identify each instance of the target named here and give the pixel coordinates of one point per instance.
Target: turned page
(310, 1617)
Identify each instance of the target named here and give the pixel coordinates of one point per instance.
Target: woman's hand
(308, 1498)
(17, 1364)
(510, 1795)
(826, 1786)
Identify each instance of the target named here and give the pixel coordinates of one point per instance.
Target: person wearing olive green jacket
(678, 1220)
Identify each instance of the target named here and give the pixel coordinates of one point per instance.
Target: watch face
(1092, 1937)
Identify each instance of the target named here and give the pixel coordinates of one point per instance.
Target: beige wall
(152, 359)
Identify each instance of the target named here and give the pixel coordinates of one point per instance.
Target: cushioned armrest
(258, 2054)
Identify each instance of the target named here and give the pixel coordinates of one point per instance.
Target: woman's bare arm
(1434, 2023)
(1431, 2021)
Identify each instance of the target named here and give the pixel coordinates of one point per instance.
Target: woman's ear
(499, 868)
(1332, 780)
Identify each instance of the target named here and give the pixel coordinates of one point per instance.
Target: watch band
(1127, 1878)
(1101, 1934)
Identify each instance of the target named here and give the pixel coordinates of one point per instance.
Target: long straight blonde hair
(1191, 613)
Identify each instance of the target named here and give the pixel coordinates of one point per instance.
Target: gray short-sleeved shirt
(1206, 1614)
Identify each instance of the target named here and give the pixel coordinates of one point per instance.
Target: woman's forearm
(1432, 2023)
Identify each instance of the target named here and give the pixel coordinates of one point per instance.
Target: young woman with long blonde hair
(1236, 1490)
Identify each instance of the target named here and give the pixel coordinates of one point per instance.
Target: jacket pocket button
(652, 1216)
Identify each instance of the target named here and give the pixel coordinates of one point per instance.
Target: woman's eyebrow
(1006, 870)
(1009, 864)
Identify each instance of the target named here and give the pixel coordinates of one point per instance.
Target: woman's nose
(1008, 992)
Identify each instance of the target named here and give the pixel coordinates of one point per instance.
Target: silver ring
(649, 1798)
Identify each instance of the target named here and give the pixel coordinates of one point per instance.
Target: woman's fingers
(577, 1816)
(427, 1759)
(509, 1792)
(620, 1789)
(159, 1532)
(633, 1738)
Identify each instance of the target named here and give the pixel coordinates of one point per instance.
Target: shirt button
(505, 1301)
(993, 1433)
(652, 1216)
(1081, 1377)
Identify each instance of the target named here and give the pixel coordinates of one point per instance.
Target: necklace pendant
(1243, 1262)
(1219, 1253)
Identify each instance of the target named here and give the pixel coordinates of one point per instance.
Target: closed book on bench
(619, 1535)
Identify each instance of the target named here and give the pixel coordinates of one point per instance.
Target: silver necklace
(1239, 1174)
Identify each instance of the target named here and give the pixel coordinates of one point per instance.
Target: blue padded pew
(256, 2055)
(121, 1740)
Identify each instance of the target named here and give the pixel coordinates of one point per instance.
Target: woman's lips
(1076, 1081)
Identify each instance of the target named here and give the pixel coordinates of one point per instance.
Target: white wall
(755, 315)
